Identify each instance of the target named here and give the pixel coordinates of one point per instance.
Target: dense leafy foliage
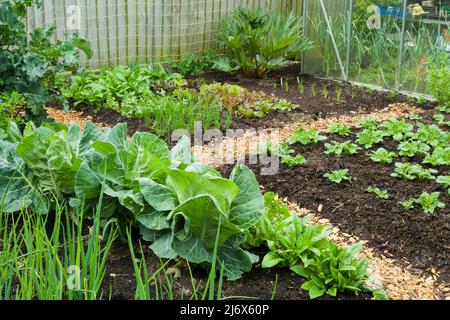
(257, 42)
(303, 247)
(29, 65)
(180, 205)
(438, 80)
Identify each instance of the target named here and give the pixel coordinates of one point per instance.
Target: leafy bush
(256, 42)
(11, 107)
(29, 66)
(181, 206)
(295, 243)
(194, 64)
(113, 86)
(438, 80)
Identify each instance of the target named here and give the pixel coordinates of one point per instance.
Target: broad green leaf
(235, 260)
(204, 216)
(248, 206)
(187, 185)
(155, 220)
(162, 247)
(157, 195)
(18, 189)
(271, 260)
(182, 153)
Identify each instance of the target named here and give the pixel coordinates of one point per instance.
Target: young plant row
(428, 143)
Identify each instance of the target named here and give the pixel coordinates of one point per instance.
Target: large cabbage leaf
(181, 206)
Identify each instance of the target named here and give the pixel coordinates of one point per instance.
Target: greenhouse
(246, 152)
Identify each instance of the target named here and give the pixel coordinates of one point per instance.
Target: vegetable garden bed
(416, 240)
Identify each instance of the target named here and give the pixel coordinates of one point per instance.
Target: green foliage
(383, 156)
(305, 136)
(368, 124)
(409, 171)
(164, 114)
(428, 202)
(338, 176)
(432, 135)
(291, 161)
(412, 147)
(338, 148)
(445, 181)
(39, 256)
(441, 120)
(11, 105)
(110, 87)
(381, 194)
(275, 212)
(397, 129)
(194, 64)
(295, 243)
(341, 129)
(369, 137)
(181, 206)
(29, 65)
(261, 107)
(257, 42)
(439, 157)
(438, 80)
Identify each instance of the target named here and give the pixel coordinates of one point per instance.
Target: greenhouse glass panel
(377, 38)
(427, 40)
(327, 24)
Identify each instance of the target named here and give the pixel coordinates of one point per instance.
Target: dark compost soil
(421, 239)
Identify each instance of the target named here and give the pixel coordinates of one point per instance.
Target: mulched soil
(421, 239)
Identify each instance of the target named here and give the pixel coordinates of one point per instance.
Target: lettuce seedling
(305, 137)
(368, 124)
(341, 129)
(445, 181)
(338, 176)
(369, 137)
(347, 148)
(398, 129)
(291, 161)
(439, 157)
(383, 156)
(428, 202)
(413, 147)
(411, 171)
